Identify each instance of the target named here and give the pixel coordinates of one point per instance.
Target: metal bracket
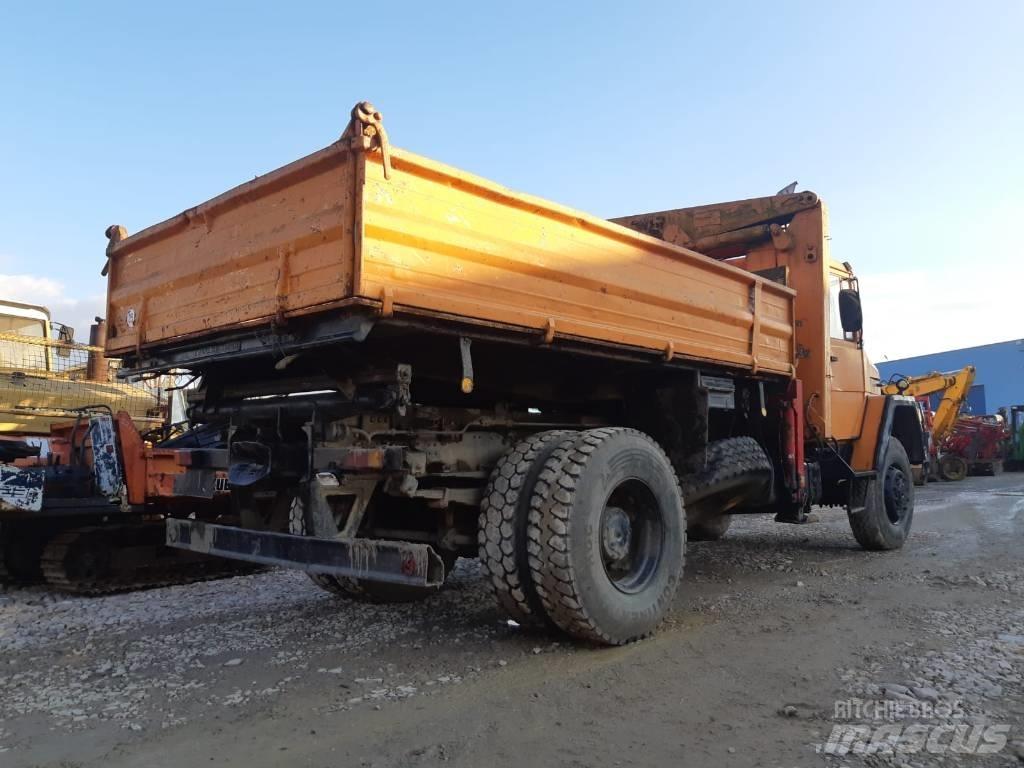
(465, 343)
(387, 302)
(368, 122)
(281, 290)
(781, 238)
(549, 331)
(403, 373)
(115, 234)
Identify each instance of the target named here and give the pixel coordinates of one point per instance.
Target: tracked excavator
(954, 387)
(65, 517)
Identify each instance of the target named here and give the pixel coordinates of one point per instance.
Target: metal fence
(43, 381)
(52, 358)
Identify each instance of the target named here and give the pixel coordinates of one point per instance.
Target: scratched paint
(21, 489)
(106, 466)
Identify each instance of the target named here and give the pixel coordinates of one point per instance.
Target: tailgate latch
(367, 121)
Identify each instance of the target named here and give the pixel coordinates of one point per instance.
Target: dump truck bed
(350, 228)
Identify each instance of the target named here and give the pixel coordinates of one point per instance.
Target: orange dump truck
(406, 364)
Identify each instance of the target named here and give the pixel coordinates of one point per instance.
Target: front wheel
(884, 521)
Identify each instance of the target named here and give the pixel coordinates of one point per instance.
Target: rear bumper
(394, 562)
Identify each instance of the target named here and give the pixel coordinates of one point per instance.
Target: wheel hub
(616, 535)
(896, 494)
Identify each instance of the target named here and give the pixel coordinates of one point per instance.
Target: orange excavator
(70, 433)
(939, 424)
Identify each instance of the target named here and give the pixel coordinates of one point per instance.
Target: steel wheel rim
(897, 494)
(631, 536)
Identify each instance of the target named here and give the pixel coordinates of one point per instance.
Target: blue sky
(906, 117)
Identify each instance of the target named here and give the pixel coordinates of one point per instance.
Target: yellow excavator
(954, 387)
(47, 378)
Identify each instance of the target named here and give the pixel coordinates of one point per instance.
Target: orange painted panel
(442, 240)
(330, 226)
(281, 243)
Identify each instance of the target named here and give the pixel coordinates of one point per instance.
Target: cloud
(919, 312)
(78, 312)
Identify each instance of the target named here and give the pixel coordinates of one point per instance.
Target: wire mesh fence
(52, 358)
(46, 380)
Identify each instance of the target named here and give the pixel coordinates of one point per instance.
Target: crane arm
(954, 387)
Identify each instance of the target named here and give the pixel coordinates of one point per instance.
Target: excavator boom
(954, 387)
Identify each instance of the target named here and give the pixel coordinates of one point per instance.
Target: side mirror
(850, 314)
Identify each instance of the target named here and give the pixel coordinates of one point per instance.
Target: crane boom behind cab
(785, 237)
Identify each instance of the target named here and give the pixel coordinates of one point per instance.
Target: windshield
(25, 326)
(21, 356)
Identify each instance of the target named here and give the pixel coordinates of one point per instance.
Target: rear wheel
(607, 534)
(502, 526)
(737, 471)
(884, 522)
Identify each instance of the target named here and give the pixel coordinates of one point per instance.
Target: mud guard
(885, 417)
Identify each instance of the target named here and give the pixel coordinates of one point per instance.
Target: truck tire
(737, 471)
(379, 591)
(888, 512)
(606, 536)
(504, 513)
(952, 468)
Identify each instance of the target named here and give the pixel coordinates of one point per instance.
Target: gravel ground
(780, 635)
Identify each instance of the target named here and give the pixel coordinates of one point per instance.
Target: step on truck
(407, 364)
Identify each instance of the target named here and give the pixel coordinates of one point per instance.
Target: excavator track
(20, 549)
(105, 559)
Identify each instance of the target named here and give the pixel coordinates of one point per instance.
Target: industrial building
(999, 381)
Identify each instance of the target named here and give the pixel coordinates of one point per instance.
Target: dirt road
(781, 638)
